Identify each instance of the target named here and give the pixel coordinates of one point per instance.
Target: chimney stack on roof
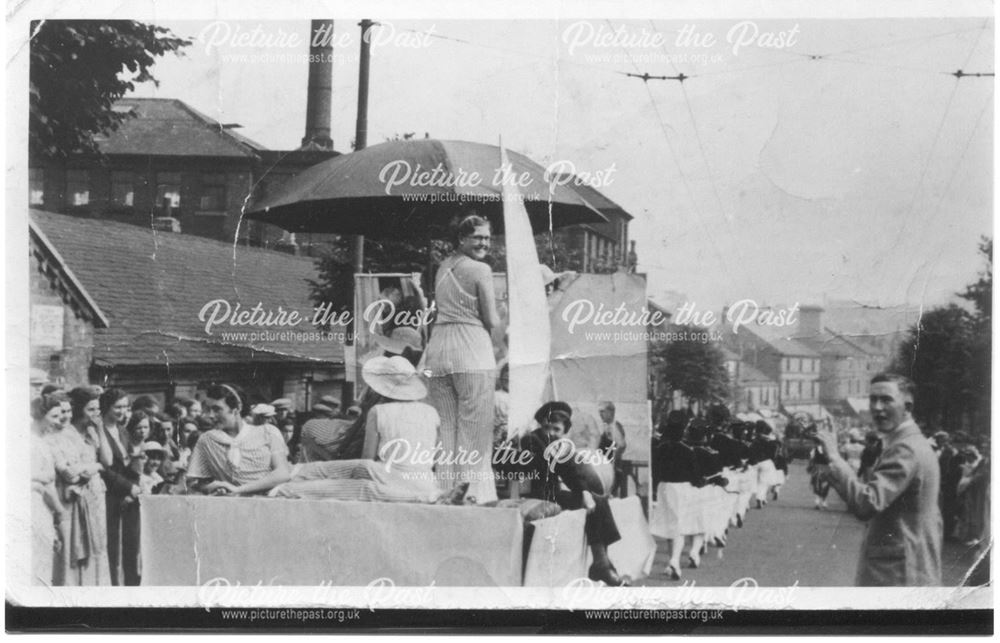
(810, 321)
(320, 86)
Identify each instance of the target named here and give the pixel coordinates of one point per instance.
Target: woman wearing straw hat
(400, 429)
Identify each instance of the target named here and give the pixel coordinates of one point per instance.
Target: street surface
(790, 541)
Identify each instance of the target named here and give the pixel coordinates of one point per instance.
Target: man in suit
(902, 545)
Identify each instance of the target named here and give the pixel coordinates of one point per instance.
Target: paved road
(789, 541)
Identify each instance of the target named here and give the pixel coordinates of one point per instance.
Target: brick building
(172, 167)
(847, 364)
(791, 364)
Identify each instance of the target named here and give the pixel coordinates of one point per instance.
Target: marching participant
(763, 452)
(676, 514)
(713, 502)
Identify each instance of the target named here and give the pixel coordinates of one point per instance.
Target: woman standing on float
(460, 363)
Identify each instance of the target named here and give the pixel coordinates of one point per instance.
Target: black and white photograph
(656, 318)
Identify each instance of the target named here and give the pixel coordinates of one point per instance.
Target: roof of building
(62, 278)
(655, 307)
(593, 196)
(854, 318)
(831, 344)
(170, 127)
(779, 339)
(152, 286)
(862, 345)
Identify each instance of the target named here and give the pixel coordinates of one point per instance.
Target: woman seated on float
(400, 429)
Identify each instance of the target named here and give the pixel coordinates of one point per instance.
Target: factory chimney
(320, 95)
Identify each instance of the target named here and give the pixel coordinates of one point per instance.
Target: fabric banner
(599, 346)
(558, 554)
(190, 540)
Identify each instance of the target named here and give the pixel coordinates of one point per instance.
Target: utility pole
(361, 126)
(360, 142)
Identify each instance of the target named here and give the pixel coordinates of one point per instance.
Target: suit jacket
(902, 545)
(119, 477)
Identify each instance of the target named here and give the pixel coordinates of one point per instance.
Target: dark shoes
(608, 575)
(673, 573)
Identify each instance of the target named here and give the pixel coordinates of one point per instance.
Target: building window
(122, 189)
(36, 186)
(77, 188)
(168, 186)
(213, 193)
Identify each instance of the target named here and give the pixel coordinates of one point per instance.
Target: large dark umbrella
(412, 189)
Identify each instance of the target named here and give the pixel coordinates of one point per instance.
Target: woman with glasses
(460, 362)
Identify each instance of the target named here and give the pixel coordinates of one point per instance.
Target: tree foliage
(693, 367)
(78, 69)
(336, 267)
(947, 354)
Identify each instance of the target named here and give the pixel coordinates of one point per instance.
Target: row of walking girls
(706, 476)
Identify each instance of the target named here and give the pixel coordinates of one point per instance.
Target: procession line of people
(706, 477)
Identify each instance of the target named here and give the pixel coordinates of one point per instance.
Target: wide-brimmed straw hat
(401, 338)
(394, 377)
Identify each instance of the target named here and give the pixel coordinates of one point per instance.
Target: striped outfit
(323, 438)
(460, 359)
(407, 435)
(240, 460)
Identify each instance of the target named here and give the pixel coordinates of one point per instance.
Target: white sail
(529, 332)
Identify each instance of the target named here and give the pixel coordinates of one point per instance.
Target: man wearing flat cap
(324, 435)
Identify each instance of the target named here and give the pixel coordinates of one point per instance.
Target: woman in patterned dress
(47, 514)
(75, 447)
(460, 361)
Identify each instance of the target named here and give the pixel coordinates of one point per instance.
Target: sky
(822, 159)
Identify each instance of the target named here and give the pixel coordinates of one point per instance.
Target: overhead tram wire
(697, 134)
(831, 56)
(937, 135)
(961, 158)
(517, 52)
(684, 179)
